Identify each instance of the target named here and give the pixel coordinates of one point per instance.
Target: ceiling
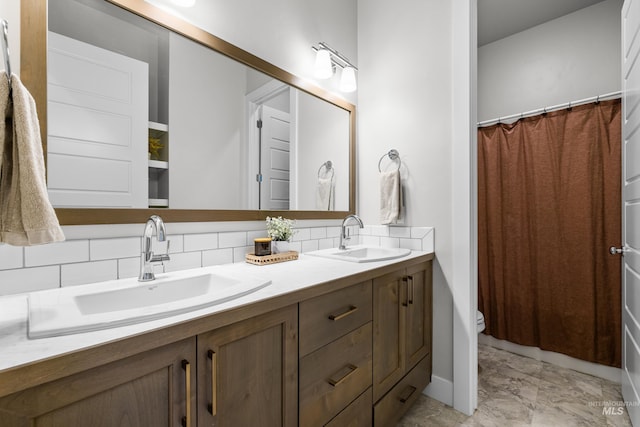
(498, 19)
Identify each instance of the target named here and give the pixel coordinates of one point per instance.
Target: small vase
(280, 246)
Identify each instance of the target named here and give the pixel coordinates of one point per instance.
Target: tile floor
(518, 391)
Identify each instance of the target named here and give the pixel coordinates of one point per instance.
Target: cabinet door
(419, 310)
(247, 372)
(389, 318)
(147, 389)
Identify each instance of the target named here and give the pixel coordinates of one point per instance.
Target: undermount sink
(121, 302)
(362, 253)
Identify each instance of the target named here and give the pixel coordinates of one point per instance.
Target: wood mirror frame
(33, 70)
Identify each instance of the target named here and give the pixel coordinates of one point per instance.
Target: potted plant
(280, 230)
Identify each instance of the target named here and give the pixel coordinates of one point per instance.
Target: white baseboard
(607, 372)
(440, 389)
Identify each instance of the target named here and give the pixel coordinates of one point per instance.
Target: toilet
(479, 321)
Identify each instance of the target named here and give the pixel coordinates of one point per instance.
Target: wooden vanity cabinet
(336, 357)
(402, 316)
(154, 388)
(248, 372)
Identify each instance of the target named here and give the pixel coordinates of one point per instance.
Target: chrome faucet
(154, 225)
(344, 233)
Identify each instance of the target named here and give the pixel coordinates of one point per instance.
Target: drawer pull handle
(213, 406)
(351, 369)
(352, 309)
(186, 421)
(406, 396)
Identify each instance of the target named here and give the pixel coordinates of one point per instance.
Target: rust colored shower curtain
(548, 210)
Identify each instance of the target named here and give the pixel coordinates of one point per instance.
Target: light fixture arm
(336, 57)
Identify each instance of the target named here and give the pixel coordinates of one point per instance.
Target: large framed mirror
(142, 112)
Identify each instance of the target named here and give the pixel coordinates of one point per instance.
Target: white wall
(322, 135)
(570, 58)
(283, 31)
(205, 140)
(404, 95)
(10, 10)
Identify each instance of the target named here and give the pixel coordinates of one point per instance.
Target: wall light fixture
(327, 60)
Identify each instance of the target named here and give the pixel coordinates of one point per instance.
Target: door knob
(613, 250)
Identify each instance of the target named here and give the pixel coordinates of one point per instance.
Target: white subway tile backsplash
(404, 232)
(370, 240)
(309, 245)
(29, 279)
(301, 234)
(232, 239)
(256, 234)
(389, 242)
(77, 262)
(217, 257)
(413, 244)
(114, 248)
(57, 253)
(176, 243)
(325, 244)
(333, 231)
(200, 242)
(183, 261)
(128, 267)
(318, 233)
(11, 257)
(295, 246)
(239, 253)
(88, 272)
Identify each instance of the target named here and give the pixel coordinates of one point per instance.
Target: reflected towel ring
(329, 167)
(393, 155)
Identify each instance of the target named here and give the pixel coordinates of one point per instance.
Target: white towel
(390, 197)
(325, 194)
(26, 215)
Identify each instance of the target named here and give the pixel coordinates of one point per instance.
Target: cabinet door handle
(186, 421)
(406, 396)
(213, 406)
(350, 370)
(352, 309)
(410, 288)
(405, 280)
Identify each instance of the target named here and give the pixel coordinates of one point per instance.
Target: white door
(97, 130)
(275, 159)
(631, 207)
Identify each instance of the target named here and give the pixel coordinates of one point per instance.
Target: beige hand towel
(26, 215)
(390, 197)
(325, 194)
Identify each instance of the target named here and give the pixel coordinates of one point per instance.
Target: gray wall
(573, 57)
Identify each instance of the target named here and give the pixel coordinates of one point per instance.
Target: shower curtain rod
(611, 95)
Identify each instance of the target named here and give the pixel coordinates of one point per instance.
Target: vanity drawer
(357, 414)
(330, 316)
(334, 376)
(399, 399)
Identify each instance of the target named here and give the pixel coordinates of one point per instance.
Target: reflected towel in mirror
(325, 194)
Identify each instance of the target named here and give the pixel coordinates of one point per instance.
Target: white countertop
(17, 349)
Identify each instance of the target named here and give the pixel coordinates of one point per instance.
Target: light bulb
(323, 67)
(348, 80)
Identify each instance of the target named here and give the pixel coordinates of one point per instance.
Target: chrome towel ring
(329, 167)
(393, 155)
